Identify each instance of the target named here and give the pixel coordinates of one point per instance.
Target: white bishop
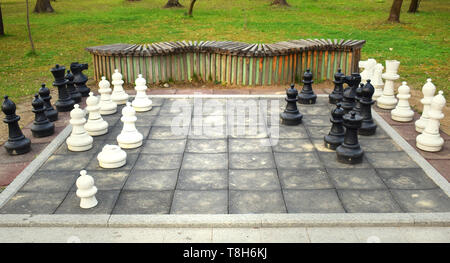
(430, 140)
(428, 91)
(95, 125)
(79, 140)
(107, 106)
(86, 190)
(402, 111)
(118, 95)
(141, 102)
(130, 137)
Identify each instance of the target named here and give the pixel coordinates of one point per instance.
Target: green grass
(420, 42)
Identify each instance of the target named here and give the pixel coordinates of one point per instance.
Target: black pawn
(41, 127)
(337, 132)
(79, 78)
(368, 126)
(73, 91)
(291, 115)
(357, 107)
(350, 151)
(348, 98)
(65, 102)
(307, 95)
(17, 143)
(50, 112)
(337, 94)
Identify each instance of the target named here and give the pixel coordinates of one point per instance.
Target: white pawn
(119, 96)
(141, 102)
(368, 66)
(428, 91)
(430, 140)
(95, 125)
(130, 137)
(107, 106)
(112, 156)
(377, 81)
(387, 100)
(86, 190)
(79, 140)
(402, 111)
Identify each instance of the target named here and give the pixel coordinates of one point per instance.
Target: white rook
(430, 140)
(387, 100)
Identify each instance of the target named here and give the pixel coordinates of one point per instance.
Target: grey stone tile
(319, 145)
(293, 145)
(297, 160)
(304, 179)
(422, 201)
(152, 180)
(146, 121)
(168, 133)
(179, 102)
(164, 146)
(51, 181)
(152, 112)
(211, 107)
(157, 101)
(207, 146)
(177, 108)
(329, 159)
(131, 160)
(290, 132)
(102, 144)
(158, 161)
(246, 120)
(247, 131)
(114, 132)
(266, 179)
(33, 203)
(200, 202)
(379, 134)
(313, 110)
(169, 121)
(105, 199)
(317, 120)
(379, 145)
(112, 120)
(209, 120)
(391, 160)
(96, 147)
(250, 145)
(356, 179)
(254, 202)
(205, 161)
(69, 162)
(208, 132)
(368, 201)
(313, 201)
(108, 180)
(203, 180)
(318, 132)
(410, 178)
(143, 202)
(251, 161)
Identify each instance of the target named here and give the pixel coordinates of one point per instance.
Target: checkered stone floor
(212, 167)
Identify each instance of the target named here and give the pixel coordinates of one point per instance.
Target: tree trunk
(413, 6)
(29, 30)
(279, 2)
(43, 6)
(191, 7)
(172, 3)
(2, 30)
(394, 15)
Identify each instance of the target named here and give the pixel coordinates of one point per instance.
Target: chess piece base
(119, 99)
(402, 117)
(64, 106)
(112, 165)
(387, 103)
(108, 111)
(420, 125)
(334, 98)
(129, 145)
(40, 131)
(84, 91)
(291, 118)
(307, 99)
(83, 148)
(18, 146)
(333, 141)
(97, 132)
(349, 155)
(77, 144)
(52, 115)
(142, 108)
(429, 143)
(76, 96)
(87, 203)
(367, 128)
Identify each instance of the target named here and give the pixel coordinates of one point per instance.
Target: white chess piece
(428, 91)
(130, 137)
(86, 190)
(368, 66)
(402, 111)
(112, 156)
(119, 96)
(141, 102)
(387, 100)
(107, 106)
(377, 81)
(430, 140)
(95, 124)
(79, 140)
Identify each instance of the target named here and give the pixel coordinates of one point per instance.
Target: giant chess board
(215, 163)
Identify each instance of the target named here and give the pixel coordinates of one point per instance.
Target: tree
(413, 6)
(172, 3)
(29, 30)
(191, 7)
(279, 2)
(2, 30)
(394, 15)
(43, 6)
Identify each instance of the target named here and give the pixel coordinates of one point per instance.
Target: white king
(430, 140)
(119, 96)
(141, 102)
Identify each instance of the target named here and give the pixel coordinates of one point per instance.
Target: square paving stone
(146, 121)
(368, 201)
(156, 180)
(107, 180)
(293, 145)
(318, 132)
(304, 179)
(131, 160)
(256, 202)
(205, 161)
(175, 109)
(316, 120)
(33, 203)
(168, 133)
(158, 161)
(251, 160)
(313, 201)
(208, 132)
(105, 199)
(391, 160)
(246, 120)
(163, 146)
(297, 160)
(207, 146)
(114, 132)
(200, 202)
(314, 110)
(379, 134)
(203, 180)
(157, 101)
(319, 145)
(210, 120)
(410, 178)
(329, 159)
(143, 202)
(254, 180)
(152, 112)
(356, 179)
(169, 121)
(290, 132)
(247, 131)
(50, 181)
(422, 201)
(68, 162)
(383, 145)
(250, 145)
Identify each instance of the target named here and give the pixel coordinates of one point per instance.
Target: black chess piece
(73, 91)
(17, 143)
(65, 102)
(337, 93)
(291, 115)
(79, 78)
(357, 107)
(368, 126)
(348, 98)
(337, 132)
(50, 112)
(41, 127)
(307, 95)
(350, 151)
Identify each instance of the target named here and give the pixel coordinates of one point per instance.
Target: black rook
(64, 102)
